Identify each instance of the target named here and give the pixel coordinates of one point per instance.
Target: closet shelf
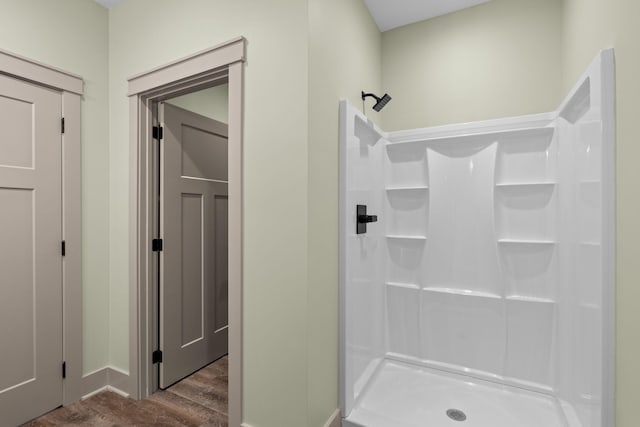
(458, 291)
(399, 237)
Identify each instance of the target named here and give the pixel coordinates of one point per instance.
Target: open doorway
(150, 94)
(191, 153)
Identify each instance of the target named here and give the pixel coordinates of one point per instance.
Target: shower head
(380, 101)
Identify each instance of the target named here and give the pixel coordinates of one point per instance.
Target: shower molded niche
(489, 271)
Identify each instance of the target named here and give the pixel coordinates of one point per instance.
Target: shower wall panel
(471, 235)
(362, 340)
(461, 245)
(586, 299)
(493, 252)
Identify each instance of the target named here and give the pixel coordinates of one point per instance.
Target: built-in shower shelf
(399, 237)
(524, 184)
(528, 132)
(526, 242)
(400, 144)
(409, 188)
(529, 299)
(589, 306)
(360, 190)
(366, 131)
(403, 285)
(458, 291)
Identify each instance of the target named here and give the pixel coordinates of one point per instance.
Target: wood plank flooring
(198, 400)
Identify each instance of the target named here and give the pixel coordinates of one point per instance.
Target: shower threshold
(404, 395)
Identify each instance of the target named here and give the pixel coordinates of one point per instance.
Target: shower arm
(367, 95)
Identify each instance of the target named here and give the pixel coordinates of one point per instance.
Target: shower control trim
(363, 219)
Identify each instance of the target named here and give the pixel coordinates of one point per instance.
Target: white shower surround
(493, 258)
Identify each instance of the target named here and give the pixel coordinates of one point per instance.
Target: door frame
(224, 62)
(71, 87)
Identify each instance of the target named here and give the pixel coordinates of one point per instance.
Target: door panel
(16, 141)
(193, 293)
(30, 259)
(221, 261)
(192, 286)
(204, 154)
(16, 222)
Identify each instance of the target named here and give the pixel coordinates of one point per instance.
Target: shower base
(403, 395)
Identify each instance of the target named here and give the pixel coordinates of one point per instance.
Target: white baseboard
(93, 382)
(93, 393)
(105, 379)
(118, 381)
(117, 391)
(334, 420)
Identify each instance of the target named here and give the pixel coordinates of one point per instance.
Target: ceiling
(390, 14)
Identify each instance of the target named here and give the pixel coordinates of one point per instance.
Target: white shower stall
(483, 295)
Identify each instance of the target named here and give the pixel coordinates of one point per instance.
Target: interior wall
(212, 102)
(528, 72)
(344, 59)
(498, 59)
(275, 174)
(590, 25)
(72, 35)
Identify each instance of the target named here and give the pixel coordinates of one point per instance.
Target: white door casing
(30, 255)
(193, 221)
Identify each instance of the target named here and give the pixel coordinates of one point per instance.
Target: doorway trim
(198, 71)
(71, 87)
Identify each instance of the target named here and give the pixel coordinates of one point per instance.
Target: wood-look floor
(198, 400)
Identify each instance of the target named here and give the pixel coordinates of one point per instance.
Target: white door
(193, 276)
(30, 251)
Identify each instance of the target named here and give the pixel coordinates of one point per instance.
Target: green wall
(590, 25)
(72, 35)
(275, 178)
(498, 59)
(344, 58)
(212, 102)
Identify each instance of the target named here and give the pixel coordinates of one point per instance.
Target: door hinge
(62, 125)
(156, 356)
(64, 248)
(156, 245)
(158, 132)
(64, 369)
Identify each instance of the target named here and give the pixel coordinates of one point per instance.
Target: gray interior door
(30, 251)
(193, 224)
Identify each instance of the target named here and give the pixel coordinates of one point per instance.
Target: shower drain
(456, 415)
